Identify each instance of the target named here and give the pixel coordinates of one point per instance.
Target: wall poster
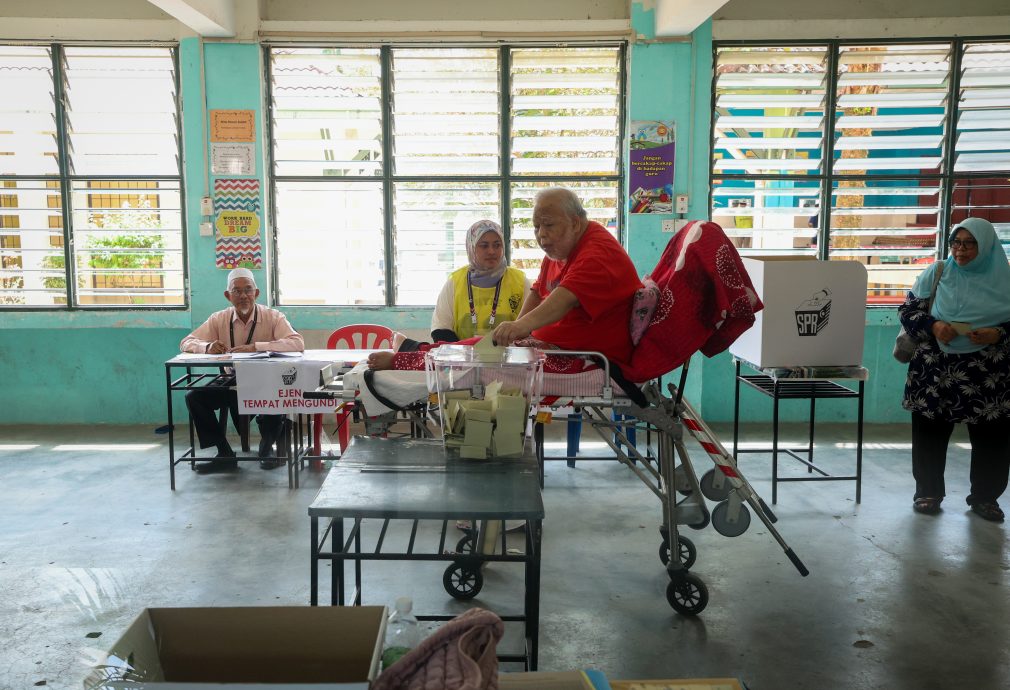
(233, 125)
(233, 159)
(237, 205)
(653, 145)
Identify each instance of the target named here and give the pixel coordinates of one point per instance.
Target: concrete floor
(91, 534)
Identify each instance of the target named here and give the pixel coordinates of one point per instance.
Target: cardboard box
(678, 684)
(563, 680)
(269, 647)
(814, 314)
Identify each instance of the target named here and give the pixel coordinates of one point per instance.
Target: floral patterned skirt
(972, 387)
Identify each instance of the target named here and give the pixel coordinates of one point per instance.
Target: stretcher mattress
(406, 388)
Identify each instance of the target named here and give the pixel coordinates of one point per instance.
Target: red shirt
(601, 275)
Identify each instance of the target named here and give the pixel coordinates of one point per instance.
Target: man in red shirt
(582, 298)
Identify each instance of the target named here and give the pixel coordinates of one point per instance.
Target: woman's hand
(944, 332)
(508, 332)
(243, 348)
(984, 336)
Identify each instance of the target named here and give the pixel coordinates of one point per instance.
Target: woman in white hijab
(482, 294)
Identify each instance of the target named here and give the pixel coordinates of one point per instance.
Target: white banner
(275, 386)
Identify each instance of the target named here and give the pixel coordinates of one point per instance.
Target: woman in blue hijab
(960, 372)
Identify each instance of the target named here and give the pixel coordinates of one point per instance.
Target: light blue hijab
(977, 293)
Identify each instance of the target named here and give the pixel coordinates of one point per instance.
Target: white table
(201, 370)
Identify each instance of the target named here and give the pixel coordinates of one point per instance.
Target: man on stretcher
(581, 300)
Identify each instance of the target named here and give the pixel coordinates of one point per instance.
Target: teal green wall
(84, 367)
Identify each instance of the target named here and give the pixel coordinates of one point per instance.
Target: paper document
(961, 327)
(486, 349)
(264, 355)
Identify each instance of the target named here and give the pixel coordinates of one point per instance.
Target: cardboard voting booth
(267, 647)
(814, 313)
(484, 395)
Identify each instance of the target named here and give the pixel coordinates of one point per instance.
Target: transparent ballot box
(484, 398)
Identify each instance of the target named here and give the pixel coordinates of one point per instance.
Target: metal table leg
(859, 445)
(736, 411)
(532, 608)
(171, 427)
(810, 448)
(775, 442)
(337, 565)
(314, 563)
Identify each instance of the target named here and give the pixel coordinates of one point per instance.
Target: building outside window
(90, 184)
(861, 152)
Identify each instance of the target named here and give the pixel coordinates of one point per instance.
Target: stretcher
(698, 298)
(669, 472)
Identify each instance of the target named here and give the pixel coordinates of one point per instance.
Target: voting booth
(484, 397)
(814, 313)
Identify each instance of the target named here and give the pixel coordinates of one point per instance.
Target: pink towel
(458, 656)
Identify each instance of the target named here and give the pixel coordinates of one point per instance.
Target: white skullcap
(237, 273)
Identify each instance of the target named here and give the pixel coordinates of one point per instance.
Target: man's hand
(380, 360)
(944, 332)
(216, 348)
(984, 336)
(508, 332)
(243, 348)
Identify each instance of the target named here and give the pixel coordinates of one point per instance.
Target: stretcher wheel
(710, 491)
(466, 544)
(722, 523)
(688, 551)
(687, 594)
(463, 580)
(705, 518)
(681, 482)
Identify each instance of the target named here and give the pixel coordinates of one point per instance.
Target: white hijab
(484, 277)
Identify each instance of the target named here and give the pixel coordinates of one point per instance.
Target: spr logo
(813, 314)
(289, 376)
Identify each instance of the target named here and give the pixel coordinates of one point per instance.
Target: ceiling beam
(682, 17)
(210, 18)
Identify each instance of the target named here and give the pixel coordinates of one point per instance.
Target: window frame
(827, 177)
(505, 178)
(67, 181)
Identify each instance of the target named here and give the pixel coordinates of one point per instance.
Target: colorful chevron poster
(238, 252)
(237, 204)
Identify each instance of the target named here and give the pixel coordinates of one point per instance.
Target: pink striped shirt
(272, 332)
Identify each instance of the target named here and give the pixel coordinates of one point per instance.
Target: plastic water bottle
(402, 632)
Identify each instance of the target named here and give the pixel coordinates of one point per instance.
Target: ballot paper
(961, 327)
(486, 350)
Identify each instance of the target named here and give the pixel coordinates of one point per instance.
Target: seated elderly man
(582, 298)
(243, 327)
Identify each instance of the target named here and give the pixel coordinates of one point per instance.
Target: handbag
(905, 345)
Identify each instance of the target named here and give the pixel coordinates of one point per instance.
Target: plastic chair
(362, 336)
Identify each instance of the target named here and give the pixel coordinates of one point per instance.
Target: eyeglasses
(963, 244)
(242, 291)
